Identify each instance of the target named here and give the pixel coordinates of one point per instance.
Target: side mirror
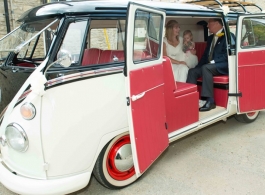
(64, 58)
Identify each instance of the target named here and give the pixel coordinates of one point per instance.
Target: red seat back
(91, 56)
(170, 83)
(111, 56)
(98, 56)
(200, 47)
(152, 48)
(140, 55)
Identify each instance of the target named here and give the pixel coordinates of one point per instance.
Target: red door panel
(151, 136)
(251, 80)
(145, 86)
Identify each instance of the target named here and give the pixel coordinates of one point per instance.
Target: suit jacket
(220, 55)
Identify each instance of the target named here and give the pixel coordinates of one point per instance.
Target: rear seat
(98, 56)
(111, 56)
(152, 47)
(221, 83)
(200, 47)
(224, 79)
(91, 56)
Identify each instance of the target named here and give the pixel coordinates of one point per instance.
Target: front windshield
(30, 40)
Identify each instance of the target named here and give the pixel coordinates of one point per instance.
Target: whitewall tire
(248, 117)
(114, 167)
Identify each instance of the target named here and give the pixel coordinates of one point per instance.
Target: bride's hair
(169, 28)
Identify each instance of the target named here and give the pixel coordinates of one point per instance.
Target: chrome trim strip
(82, 75)
(175, 135)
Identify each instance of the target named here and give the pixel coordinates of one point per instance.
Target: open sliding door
(145, 84)
(251, 62)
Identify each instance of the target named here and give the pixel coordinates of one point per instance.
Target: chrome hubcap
(123, 158)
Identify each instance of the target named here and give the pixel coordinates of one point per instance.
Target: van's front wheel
(248, 117)
(114, 167)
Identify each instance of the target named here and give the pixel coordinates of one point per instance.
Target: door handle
(136, 97)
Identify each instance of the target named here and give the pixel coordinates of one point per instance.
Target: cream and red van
(85, 89)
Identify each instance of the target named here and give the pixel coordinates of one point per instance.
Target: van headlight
(16, 137)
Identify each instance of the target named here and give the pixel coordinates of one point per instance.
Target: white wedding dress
(190, 59)
(180, 71)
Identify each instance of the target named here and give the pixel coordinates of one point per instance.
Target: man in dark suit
(213, 62)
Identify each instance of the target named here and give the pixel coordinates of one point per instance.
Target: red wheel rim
(251, 114)
(111, 167)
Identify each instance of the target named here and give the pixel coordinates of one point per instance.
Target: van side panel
(75, 116)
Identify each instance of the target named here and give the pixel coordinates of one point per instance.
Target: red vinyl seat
(26, 64)
(200, 47)
(140, 55)
(184, 88)
(111, 56)
(98, 56)
(222, 79)
(176, 88)
(154, 48)
(118, 56)
(177, 96)
(91, 56)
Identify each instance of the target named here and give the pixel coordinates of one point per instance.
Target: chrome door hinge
(128, 101)
(235, 94)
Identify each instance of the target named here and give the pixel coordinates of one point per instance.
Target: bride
(172, 47)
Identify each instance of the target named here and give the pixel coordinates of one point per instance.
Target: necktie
(212, 48)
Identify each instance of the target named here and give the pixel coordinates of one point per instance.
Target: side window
(105, 42)
(38, 47)
(252, 33)
(147, 35)
(74, 39)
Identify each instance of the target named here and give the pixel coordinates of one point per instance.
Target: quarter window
(73, 40)
(147, 36)
(252, 33)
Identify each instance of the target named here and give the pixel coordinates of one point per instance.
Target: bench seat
(184, 88)
(200, 47)
(94, 56)
(91, 56)
(178, 96)
(222, 79)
